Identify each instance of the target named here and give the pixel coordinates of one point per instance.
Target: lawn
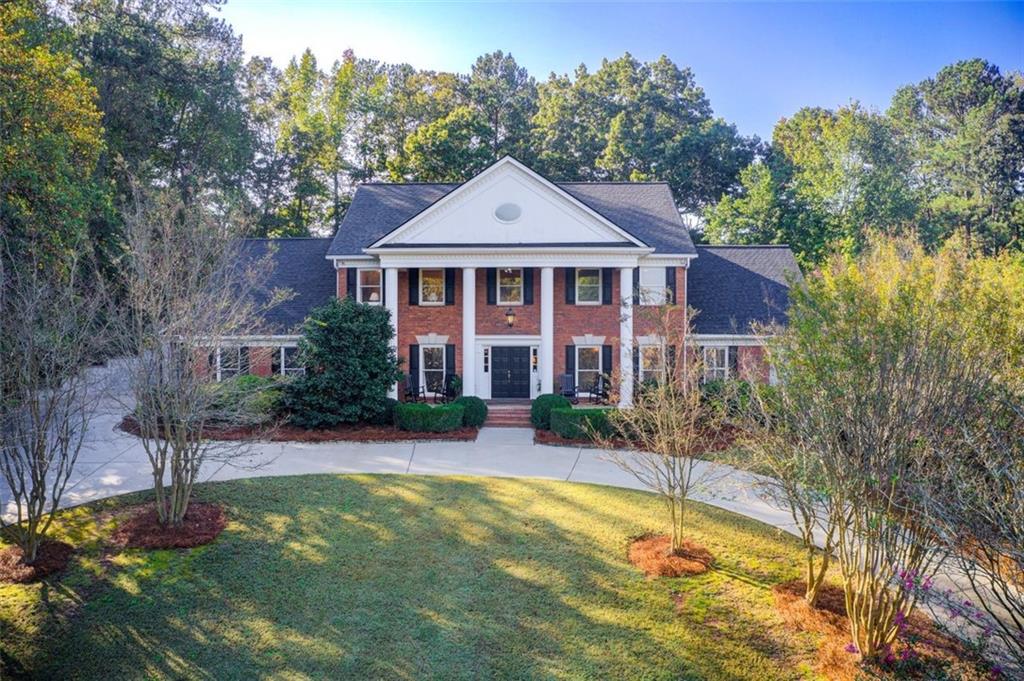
(410, 577)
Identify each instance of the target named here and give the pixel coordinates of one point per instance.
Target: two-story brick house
(511, 280)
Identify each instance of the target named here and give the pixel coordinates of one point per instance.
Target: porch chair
(567, 388)
(599, 393)
(414, 394)
(448, 391)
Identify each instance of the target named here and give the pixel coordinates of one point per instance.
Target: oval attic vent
(508, 212)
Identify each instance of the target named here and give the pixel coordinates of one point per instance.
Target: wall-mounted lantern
(510, 317)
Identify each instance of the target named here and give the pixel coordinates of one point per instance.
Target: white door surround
(483, 374)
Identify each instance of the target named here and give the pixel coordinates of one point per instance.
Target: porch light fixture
(510, 317)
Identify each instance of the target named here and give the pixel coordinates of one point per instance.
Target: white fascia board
(503, 257)
(482, 178)
(254, 340)
(725, 339)
(343, 261)
(659, 259)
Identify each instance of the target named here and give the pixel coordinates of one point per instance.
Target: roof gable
(540, 213)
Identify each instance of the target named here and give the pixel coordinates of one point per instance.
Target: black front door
(510, 372)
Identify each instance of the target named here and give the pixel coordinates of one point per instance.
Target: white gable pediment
(507, 204)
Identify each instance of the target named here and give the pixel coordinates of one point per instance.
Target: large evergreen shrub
(581, 424)
(540, 410)
(422, 418)
(350, 366)
(475, 410)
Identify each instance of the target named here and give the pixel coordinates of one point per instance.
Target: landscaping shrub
(386, 417)
(732, 397)
(540, 410)
(475, 410)
(350, 366)
(246, 400)
(422, 418)
(581, 424)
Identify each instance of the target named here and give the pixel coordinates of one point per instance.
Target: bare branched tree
(670, 429)
(190, 287)
(51, 331)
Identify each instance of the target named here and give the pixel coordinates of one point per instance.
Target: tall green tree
(966, 129)
(303, 140)
(451, 149)
(50, 138)
(266, 179)
(505, 97)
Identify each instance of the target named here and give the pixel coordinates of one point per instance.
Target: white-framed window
(653, 290)
(588, 286)
(510, 286)
(487, 360)
(652, 363)
(432, 287)
(716, 362)
(232, 361)
(432, 368)
(588, 367)
(370, 286)
(285, 361)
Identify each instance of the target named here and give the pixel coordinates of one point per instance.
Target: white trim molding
(539, 256)
(725, 339)
(588, 340)
(432, 339)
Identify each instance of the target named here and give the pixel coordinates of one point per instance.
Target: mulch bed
(344, 433)
(51, 557)
(650, 553)
(142, 529)
(933, 653)
(547, 437)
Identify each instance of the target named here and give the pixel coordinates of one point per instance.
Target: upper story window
(510, 286)
(370, 289)
(653, 290)
(588, 286)
(432, 287)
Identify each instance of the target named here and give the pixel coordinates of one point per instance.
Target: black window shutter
(636, 285)
(734, 361)
(670, 361)
(606, 360)
(570, 361)
(449, 358)
(414, 286)
(606, 285)
(243, 360)
(449, 286)
(527, 286)
(414, 367)
(492, 286)
(350, 283)
(383, 289)
(670, 284)
(570, 286)
(636, 366)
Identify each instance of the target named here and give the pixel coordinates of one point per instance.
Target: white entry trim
(483, 378)
(432, 339)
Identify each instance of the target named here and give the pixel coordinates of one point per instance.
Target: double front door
(510, 372)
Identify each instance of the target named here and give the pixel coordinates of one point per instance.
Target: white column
(469, 331)
(547, 329)
(626, 337)
(391, 303)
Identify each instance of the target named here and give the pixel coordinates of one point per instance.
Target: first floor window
(370, 287)
(588, 286)
(716, 362)
(432, 367)
(652, 363)
(653, 290)
(285, 361)
(232, 362)
(588, 367)
(431, 287)
(510, 286)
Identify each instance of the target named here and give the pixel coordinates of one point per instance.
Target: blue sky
(757, 62)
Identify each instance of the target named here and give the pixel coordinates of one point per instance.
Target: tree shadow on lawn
(410, 577)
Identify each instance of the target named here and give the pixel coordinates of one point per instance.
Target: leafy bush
(350, 366)
(732, 397)
(581, 424)
(422, 418)
(387, 416)
(540, 410)
(475, 410)
(246, 400)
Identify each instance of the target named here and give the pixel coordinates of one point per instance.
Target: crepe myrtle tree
(670, 428)
(793, 478)
(52, 330)
(188, 284)
(880, 377)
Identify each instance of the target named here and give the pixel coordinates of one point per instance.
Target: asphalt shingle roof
(301, 266)
(738, 287)
(644, 210)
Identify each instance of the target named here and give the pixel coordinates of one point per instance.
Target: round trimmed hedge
(417, 417)
(540, 410)
(475, 410)
(581, 424)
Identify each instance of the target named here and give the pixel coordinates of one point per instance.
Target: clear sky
(757, 62)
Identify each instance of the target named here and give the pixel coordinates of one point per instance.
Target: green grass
(409, 577)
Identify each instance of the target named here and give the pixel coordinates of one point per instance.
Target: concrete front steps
(515, 415)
